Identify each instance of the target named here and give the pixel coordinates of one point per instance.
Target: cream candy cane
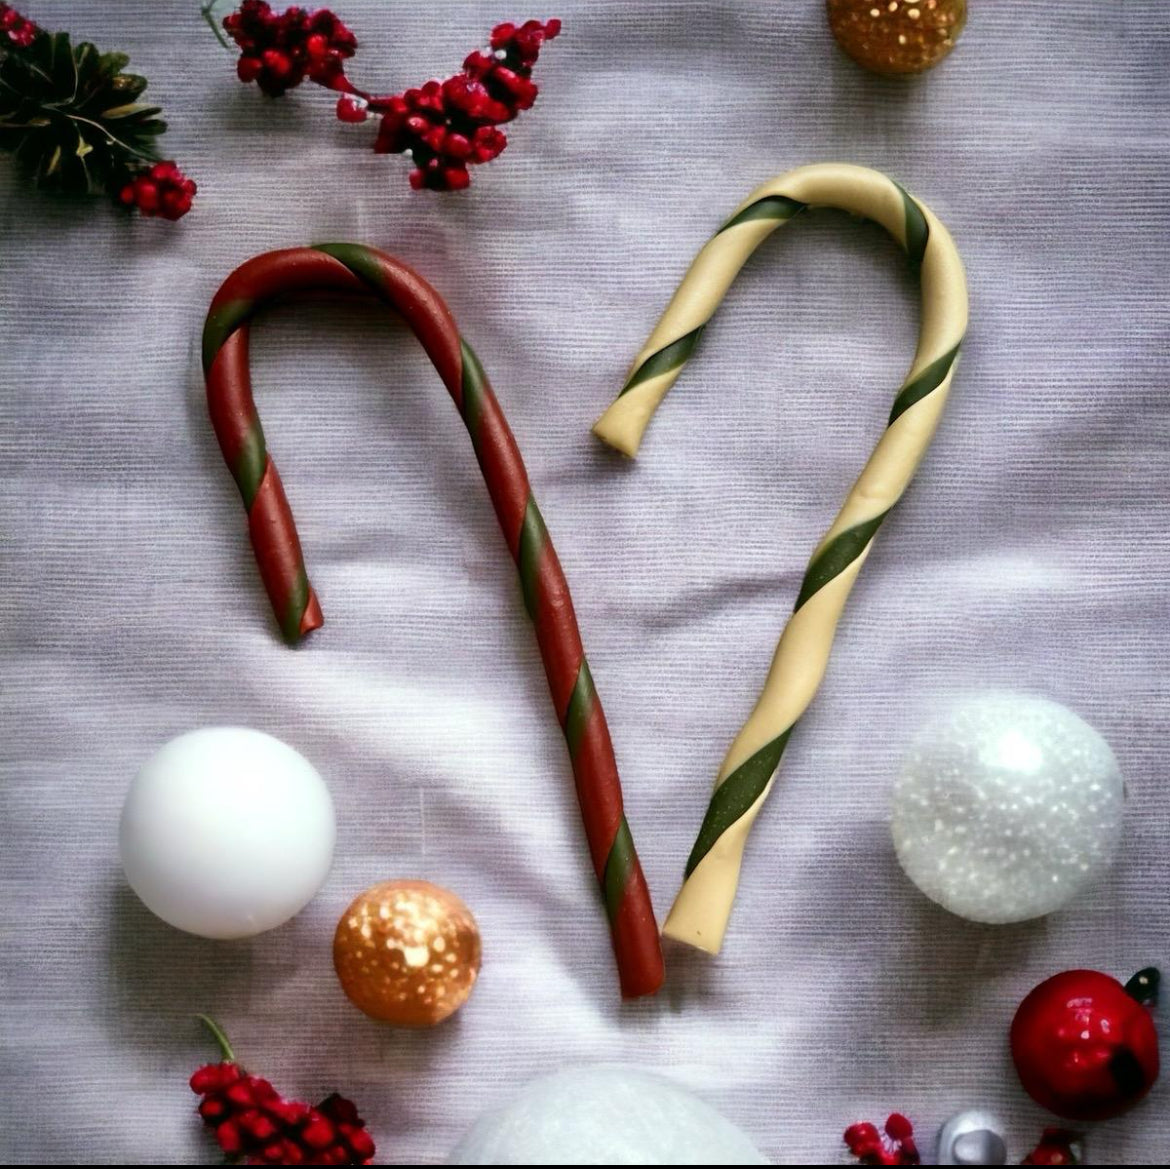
(700, 912)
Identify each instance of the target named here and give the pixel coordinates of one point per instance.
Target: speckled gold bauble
(407, 952)
(897, 36)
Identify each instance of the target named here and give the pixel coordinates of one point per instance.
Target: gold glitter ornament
(407, 952)
(897, 36)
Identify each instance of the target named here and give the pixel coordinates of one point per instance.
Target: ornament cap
(1144, 985)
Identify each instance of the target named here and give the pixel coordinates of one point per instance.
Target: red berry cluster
(1058, 1146)
(252, 1121)
(279, 52)
(19, 30)
(445, 127)
(161, 190)
(867, 1145)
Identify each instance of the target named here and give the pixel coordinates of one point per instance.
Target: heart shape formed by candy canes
(701, 910)
(351, 268)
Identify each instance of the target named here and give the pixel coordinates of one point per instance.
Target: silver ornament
(972, 1138)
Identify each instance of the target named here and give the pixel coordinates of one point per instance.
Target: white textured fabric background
(1031, 553)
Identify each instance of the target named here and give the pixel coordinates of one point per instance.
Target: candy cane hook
(351, 268)
(701, 910)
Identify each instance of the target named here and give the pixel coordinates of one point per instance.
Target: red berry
(146, 196)
(289, 1112)
(318, 1133)
(457, 146)
(456, 178)
(1083, 1048)
(1057, 1146)
(352, 109)
(257, 1125)
(249, 68)
(862, 1138)
(277, 63)
(360, 1142)
(898, 1128)
(212, 1109)
(207, 1078)
(228, 1135)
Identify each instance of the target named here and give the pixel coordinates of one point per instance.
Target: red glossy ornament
(1085, 1046)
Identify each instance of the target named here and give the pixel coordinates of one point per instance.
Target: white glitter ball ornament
(605, 1116)
(1006, 808)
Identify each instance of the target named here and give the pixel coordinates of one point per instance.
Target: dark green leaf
(63, 68)
(128, 111)
(128, 86)
(111, 64)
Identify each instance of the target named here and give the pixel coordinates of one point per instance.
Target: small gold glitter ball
(897, 36)
(407, 952)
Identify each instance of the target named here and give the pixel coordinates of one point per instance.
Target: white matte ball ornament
(605, 1116)
(1007, 808)
(227, 832)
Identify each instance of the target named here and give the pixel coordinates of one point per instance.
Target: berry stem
(208, 11)
(220, 1038)
(1143, 986)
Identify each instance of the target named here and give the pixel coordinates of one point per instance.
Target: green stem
(208, 11)
(111, 140)
(220, 1038)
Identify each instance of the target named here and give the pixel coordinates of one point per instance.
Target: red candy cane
(351, 268)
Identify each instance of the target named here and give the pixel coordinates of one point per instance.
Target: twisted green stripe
(618, 867)
(840, 552)
(360, 260)
(221, 323)
(917, 228)
(248, 470)
(474, 383)
(675, 354)
(775, 207)
(622, 857)
(735, 795)
(925, 383)
(533, 539)
(740, 790)
(579, 708)
(250, 463)
(780, 208)
(298, 600)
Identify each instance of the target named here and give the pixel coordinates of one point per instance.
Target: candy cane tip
(312, 618)
(693, 937)
(616, 435)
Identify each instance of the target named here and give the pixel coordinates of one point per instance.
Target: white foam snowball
(1006, 808)
(227, 832)
(605, 1116)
